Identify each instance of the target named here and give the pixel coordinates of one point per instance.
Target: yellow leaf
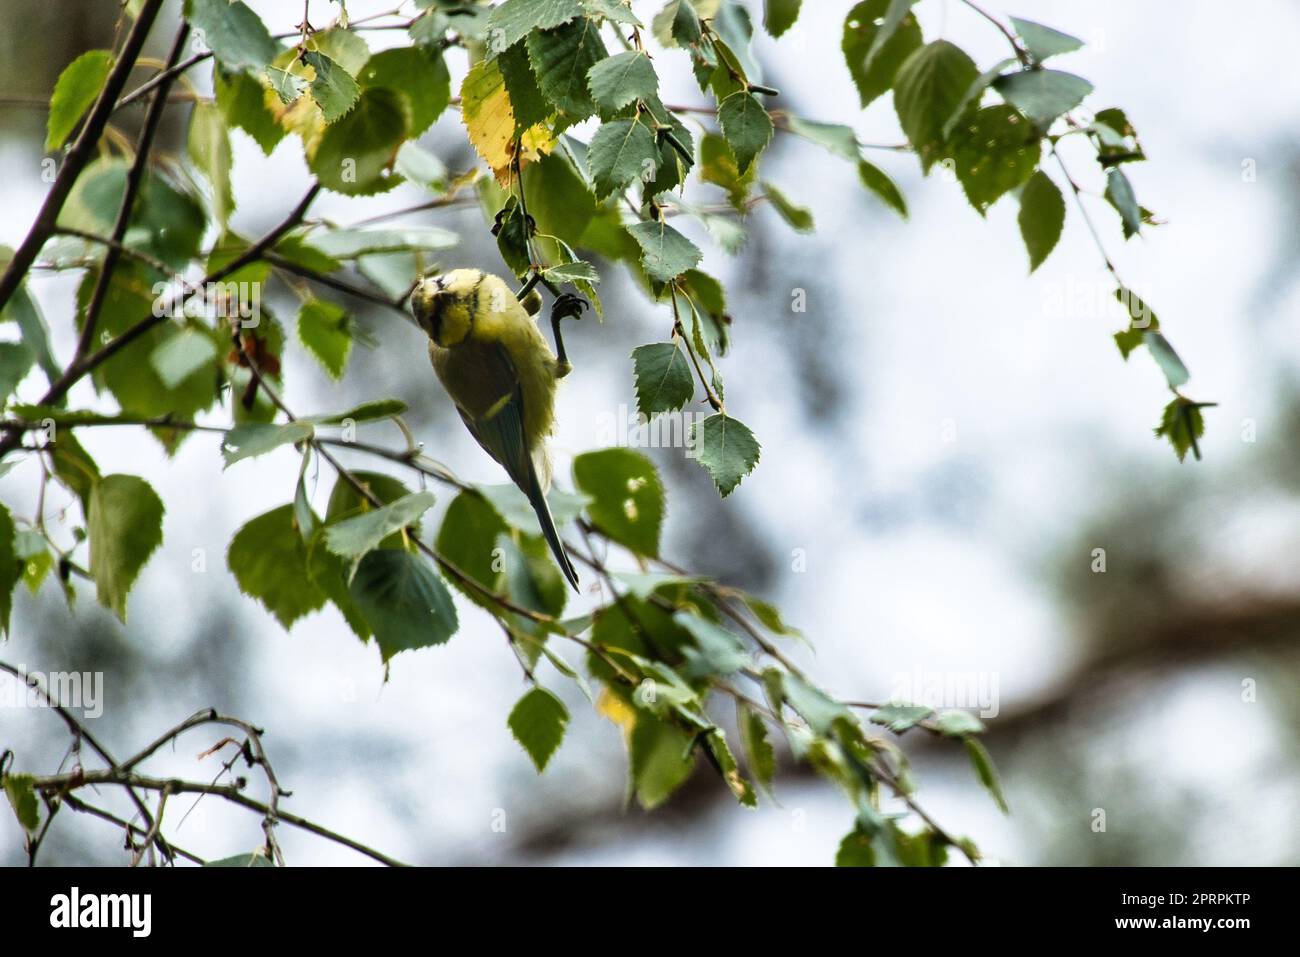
(610, 706)
(302, 117)
(489, 120)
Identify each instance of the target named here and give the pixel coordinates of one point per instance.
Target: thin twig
(134, 178)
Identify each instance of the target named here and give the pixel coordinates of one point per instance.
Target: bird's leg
(567, 306)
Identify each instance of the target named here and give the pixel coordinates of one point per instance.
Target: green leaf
(644, 584)
(663, 378)
(209, 148)
(538, 722)
(22, 798)
(365, 412)
(975, 94)
(572, 272)
(513, 506)
(780, 15)
(1043, 42)
(877, 181)
(303, 516)
(856, 850)
(404, 601)
(930, 85)
(835, 137)
(344, 47)
(467, 539)
(1117, 139)
(799, 218)
(241, 99)
(74, 467)
(418, 75)
(812, 704)
(900, 717)
(346, 501)
(759, 753)
(1176, 373)
(16, 361)
(34, 559)
(875, 45)
(726, 448)
(770, 617)
(77, 89)
(725, 763)
(1119, 193)
(527, 103)
(1182, 424)
(662, 757)
(621, 152)
(11, 568)
(512, 20)
(420, 166)
(287, 86)
(715, 650)
(125, 525)
(257, 438)
(993, 152)
(987, 773)
(531, 578)
(718, 166)
(616, 11)
(623, 79)
(1042, 215)
(355, 154)
(268, 558)
(324, 328)
(1129, 339)
(562, 58)
(665, 253)
(334, 89)
(957, 723)
(22, 309)
(746, 126)
(627, 497)
(354, 537)
(179, 357)
(1043, 95)
(233, 32)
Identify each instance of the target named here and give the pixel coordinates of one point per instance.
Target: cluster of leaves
(589, 168)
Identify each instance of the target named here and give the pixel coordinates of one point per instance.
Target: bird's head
(445, 305)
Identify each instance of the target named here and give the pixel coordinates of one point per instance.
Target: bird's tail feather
(537, 498)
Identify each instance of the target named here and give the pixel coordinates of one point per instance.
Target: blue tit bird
(500, 372)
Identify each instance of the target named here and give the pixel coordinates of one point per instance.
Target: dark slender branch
(134, 177)
(81, 732)
(137, 254)
(132, 830)
(339, 285)
(81, 153)
(62, 783)
(166, 76)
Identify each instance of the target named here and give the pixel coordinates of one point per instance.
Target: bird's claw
(568, 306)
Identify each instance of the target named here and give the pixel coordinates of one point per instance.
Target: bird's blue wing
(500, 431)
